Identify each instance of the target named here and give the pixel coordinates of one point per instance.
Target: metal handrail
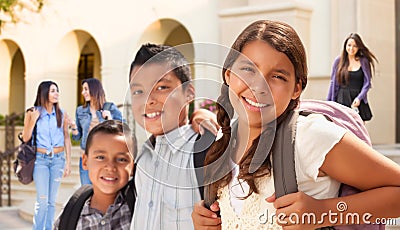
(7, 156)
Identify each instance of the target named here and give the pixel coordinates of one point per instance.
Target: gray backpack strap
(284, 172)
(201, 146)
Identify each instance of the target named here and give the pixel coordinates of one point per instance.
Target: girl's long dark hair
(283, 38)
(42, 98)
(96, 91)
(342, 73)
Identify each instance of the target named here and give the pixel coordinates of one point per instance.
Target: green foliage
(11, 9)
(73, 142)
(19, 120)
(5, 5)
(2, 120)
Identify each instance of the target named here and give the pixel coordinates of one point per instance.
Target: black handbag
(25, 162)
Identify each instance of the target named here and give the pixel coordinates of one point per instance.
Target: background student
(351, 76)
(91, 113)
(53, 152)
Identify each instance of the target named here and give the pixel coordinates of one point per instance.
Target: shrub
(209, 105)
(19, 120)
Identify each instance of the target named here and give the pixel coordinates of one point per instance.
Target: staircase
(24, 196)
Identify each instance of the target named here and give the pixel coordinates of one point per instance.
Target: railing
(6, 158)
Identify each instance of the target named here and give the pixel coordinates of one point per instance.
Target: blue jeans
(84, 174)
(47, 175)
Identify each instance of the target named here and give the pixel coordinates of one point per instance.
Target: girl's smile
(262, 80)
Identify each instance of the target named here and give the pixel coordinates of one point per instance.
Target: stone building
(71, 40)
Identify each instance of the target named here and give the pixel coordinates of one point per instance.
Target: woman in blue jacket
(94, 111)
(351, 76)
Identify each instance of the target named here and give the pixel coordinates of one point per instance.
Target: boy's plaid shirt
(117, 216)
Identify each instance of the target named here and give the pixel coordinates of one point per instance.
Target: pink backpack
(283, 150)
(340, 115)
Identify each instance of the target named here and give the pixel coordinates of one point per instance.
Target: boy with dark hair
(165, 177)
(107, 203)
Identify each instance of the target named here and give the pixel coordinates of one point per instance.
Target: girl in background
(264, 75)
(53, 150)
(91, 113)
(351, 76)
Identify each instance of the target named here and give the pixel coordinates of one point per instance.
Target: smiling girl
(351, 76)
(88, 115)
(53, 150)
(264, 75)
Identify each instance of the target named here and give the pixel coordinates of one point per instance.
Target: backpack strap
(201, 146)
(34, 132)
(283, 156)
(72, 211)
(34, 135)
(131, 193)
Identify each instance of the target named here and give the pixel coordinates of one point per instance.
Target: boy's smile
(159, 100)
(110, 163)
(153, 115)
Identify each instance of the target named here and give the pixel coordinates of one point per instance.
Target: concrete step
(27, 205)
(72, 178)
(10, 220)
(391, 151)
(24, 196)
(24, 190)
(26, 210)
(15, 201)
(30, 189)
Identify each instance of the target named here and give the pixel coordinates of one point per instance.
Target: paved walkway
(10, 220)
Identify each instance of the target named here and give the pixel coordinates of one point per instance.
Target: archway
(76, 57)
(12, 74)
(169, 32)
(89, 66)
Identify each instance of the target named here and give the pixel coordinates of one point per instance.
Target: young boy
(165, 178)
(109, 160)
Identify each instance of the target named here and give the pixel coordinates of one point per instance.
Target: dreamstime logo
(341, 206)
(338, 217)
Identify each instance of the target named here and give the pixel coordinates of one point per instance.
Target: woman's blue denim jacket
(84, 117)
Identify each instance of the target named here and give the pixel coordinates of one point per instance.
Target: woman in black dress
(351, 76)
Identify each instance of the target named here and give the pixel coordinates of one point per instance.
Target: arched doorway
(76, 57)
(12, 74)
(88, 66)
(169, 32)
